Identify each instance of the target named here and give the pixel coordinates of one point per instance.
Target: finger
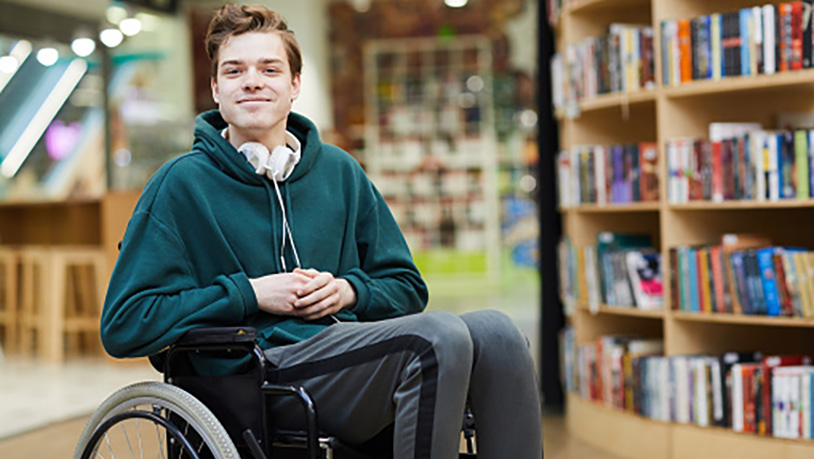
(316, 296)
(315, 284)
(330, 307)
(310, 272)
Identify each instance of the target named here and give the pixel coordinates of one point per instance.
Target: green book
(801, 163)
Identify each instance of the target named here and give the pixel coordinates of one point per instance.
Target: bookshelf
(657, 115)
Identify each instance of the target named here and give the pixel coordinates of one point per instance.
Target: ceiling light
(8, 64)
(83, 46)
(130, 26)
(48, 56)
(455, 3)
(149, 22)
(111, 37)
(115, 14)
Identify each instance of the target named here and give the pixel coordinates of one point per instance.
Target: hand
(277, 293)
(322, 295)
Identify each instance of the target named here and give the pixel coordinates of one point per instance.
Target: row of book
(620, 271)
(750, 41)
(604, 174)
(745, 391)
(743, 276)
(741, 161)
(620, 60)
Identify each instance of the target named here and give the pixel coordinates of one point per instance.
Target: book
(769, 364)
(644, 269)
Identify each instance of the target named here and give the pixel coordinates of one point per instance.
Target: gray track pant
(417, 372)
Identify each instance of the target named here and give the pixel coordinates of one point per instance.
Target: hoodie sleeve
(387, 282)
(153, 297)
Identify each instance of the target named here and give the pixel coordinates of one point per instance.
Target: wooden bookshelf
(611, 208)
(744, 319)
(656, 116)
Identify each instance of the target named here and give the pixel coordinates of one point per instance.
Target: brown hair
(233, 19)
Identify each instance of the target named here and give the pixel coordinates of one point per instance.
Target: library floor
(45, 407)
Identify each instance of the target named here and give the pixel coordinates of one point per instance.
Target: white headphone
(277, 166)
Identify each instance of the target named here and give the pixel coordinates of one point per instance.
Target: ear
(295, 86)
(214, 84)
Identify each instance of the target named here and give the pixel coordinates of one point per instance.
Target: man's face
(254, 86)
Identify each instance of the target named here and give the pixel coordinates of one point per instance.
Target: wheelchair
(195, 416)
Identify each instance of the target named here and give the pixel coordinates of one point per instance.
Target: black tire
(145, 410)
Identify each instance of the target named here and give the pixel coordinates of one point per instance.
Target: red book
(786, 305)
(700, 258)
(717, 277)
(769, 364)
(796, 35)
(784, 36)
(684, 50)
(649, 175)
(717, 173)
(749, 394)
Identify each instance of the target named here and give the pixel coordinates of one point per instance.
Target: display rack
(429, 147)
(656, 116)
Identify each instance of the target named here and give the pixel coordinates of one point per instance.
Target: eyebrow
(266, 60)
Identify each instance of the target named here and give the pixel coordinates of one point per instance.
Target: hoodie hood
(208, 139)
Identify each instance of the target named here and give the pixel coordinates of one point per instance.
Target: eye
(271, 70)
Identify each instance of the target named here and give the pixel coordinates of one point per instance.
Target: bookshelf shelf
(738, 205)
(659, 115)
(592, 6)
(615, 100)
(632, 312)
(742, 84)
(611, 208)
(744, 319)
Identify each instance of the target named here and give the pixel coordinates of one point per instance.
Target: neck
(269, 138)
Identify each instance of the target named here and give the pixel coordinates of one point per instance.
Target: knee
(448, 335)
(495, 331)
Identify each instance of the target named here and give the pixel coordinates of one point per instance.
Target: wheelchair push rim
(185, 422)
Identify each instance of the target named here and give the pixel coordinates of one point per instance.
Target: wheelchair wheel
(152, 419)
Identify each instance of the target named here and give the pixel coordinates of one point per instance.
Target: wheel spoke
(127, 439)
(110, 448)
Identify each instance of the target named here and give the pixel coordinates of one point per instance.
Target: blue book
(706, 29)
(693, 265)
(739, 275)
(768, 277)
(745, 17)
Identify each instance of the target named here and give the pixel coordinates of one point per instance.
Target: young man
(263, 225)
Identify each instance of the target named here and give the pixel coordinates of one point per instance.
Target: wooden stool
(62, 292)
(8, 299)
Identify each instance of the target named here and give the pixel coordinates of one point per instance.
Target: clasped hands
(306, 293)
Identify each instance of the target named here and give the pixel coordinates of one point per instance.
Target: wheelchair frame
(228, 341)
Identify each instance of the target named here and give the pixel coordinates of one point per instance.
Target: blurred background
(437, 99)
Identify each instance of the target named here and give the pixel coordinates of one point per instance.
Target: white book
(737, 398)
(599, 173)
(591, 279)
(682, 378)
(676, 54)
(664, 390)
(574, 191)
(715, 39)
(794, 405)
(564, 178)
(757, 38)
(768, 40)
(777, 405)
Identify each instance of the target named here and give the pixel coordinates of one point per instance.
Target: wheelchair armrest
(209, 339)
(217, 336)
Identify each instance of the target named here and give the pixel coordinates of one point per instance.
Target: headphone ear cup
(257, 154)
(281, 163)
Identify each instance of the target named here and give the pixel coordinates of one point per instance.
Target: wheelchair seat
(219, 415)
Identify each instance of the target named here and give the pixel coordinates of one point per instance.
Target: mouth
(251, 100)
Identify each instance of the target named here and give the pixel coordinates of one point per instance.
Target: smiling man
(262, 224)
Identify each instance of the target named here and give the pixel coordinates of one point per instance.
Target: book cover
(745, 21)
(715, 44)
(783, 294)
(754, 282)
(769, 65)
(765, 263)
(648, 161)
(644, 269)
(801, 164)
(727, 360)
(692, 262)
(769, 364)
(733, 265)
(685, 50)
(796, 35)
(704, 298)
(716, 265)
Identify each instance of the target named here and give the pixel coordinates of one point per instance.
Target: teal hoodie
(206, 223)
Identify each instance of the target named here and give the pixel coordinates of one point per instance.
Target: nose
(252, 80)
